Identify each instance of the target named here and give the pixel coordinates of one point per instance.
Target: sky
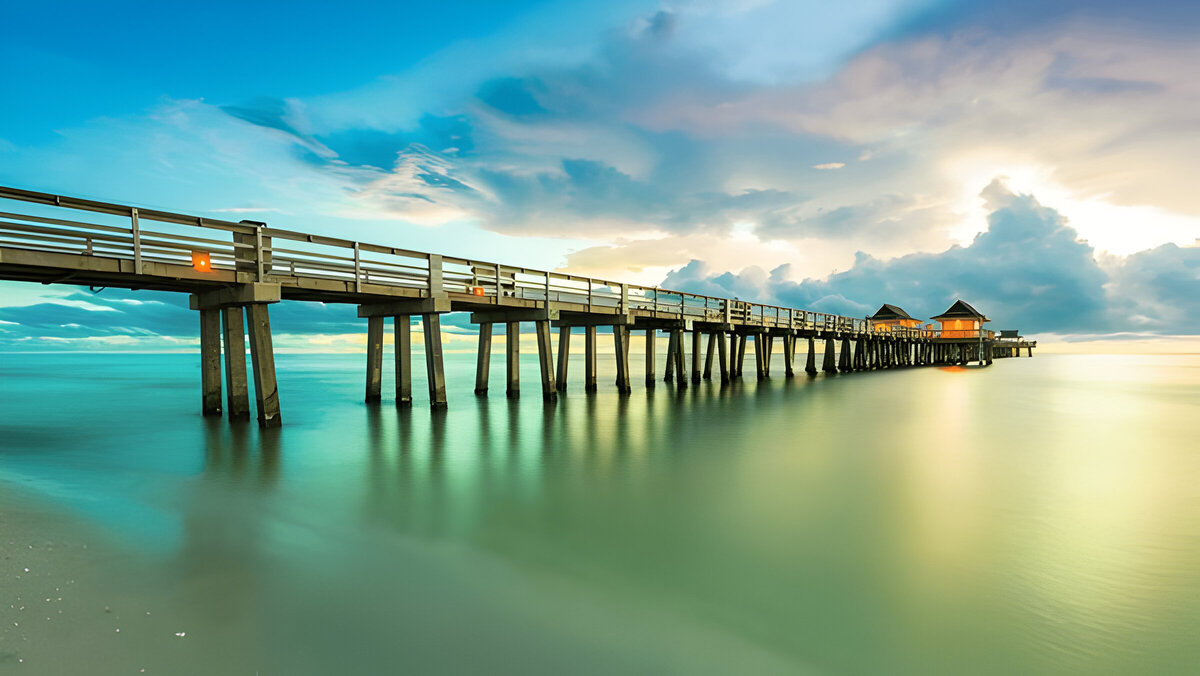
(1033, 158)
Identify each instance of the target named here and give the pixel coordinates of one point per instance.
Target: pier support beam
(760, 356)
(210, 361)
(650, 338)
(483, 361)
(695, 356)
(589, 359)
(621, 343)
(680, 370)
(564, 354)
(844, 358)
(722, 357)
(546, 359)
(789, 354)
(403, 329)
(237, 398)
(810, 364)
(827, 362)
(669, 367)
(431, 325)
(739, 356)
(262, 358)
(710, 352)
(374, 358)
(512, 359)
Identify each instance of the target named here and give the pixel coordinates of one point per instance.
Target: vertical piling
(672, 346)
(680, 369)
(262, 359)
(828, 364)
(210, 361)
(760, 356)
(650, 338)
(403, 329)
(695, 356)
(483, 361)
(431, 324)
(512, 359)
(810, 365)
(710, 351)
(739, 357)
(374, 358)
(238, 394)
(789, 354)
(844, 358)
(564, 353)
(589, 359)
(621, 343)
(545, 359)
(722, 357)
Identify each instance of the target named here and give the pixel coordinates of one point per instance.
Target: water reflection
(918, 521)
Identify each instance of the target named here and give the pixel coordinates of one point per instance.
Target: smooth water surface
(1039, 516)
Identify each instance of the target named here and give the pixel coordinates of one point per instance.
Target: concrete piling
(546, 360)
(564, 353)
(403, 329)
(512, 359)
(262, 358)
(722, 357)
(828, 364)
(210, 361)
(650, 339)
(374, 358)
(621, 342)
(237, 397)
(710, 352)
(810, 364)
(695, 356)
(589, 359)
(483, 361)
(431, 325)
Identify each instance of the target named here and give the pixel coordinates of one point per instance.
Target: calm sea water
(1040, 516)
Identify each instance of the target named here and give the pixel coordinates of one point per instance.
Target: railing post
(624, 298)
(258, 252)
(357, 268)
(435, 275)
(137, 241)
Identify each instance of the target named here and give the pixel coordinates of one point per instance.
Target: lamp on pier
(202, 261)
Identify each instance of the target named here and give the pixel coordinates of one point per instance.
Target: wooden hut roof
(961, 310)
(887, 311)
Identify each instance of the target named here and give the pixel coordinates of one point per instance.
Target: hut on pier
(888, 317)
(961, 321)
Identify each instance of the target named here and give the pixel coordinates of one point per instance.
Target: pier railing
(60, 224)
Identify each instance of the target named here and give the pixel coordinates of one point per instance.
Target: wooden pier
(234, 271)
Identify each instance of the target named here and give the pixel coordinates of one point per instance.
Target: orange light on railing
(476, 290)
(202, 261)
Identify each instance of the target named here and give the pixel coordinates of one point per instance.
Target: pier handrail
(270, 253)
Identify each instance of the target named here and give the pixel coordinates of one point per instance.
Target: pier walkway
(235, 270)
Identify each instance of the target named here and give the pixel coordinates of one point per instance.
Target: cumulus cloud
(1029, 268)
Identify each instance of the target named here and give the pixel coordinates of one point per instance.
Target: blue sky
(1033, 158)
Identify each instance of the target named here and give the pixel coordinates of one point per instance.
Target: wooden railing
(54, 223)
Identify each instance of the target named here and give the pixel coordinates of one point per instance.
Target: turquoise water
(1040, 516)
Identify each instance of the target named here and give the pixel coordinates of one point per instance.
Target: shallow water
(1038, 516)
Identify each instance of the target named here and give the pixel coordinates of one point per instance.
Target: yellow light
(202, 261)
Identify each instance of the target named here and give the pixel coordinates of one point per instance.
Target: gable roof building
(961, 310)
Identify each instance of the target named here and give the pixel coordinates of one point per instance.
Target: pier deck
(235, 270)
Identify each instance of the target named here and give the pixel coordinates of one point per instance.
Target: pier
(234, 271)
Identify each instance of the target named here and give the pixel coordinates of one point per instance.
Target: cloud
(1028, 269)
(829, 165)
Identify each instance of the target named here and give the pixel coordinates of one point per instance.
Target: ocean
(1038, 516)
